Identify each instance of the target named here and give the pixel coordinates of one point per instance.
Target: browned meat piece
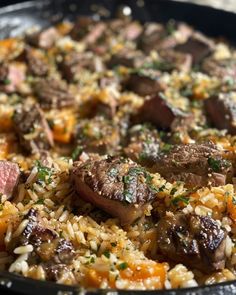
(152, 35)
(9, 177)
(221, 110)
(116, 185)
(53, 93)
(159, 37)
(74, 62)
(177, 60)
(11, 77)
(145, 82)
(195, 164)
(37, 63)
(98, 135)
(143, 146)
(158, 111)
(98, 106)
(131, 31)
(51, 249)
(223, 68)
(44, 39)
(88, 30)
(198, 46)
(129, 59)
(32, 128)
(196, 241)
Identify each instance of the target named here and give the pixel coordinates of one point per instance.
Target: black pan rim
(6, 277)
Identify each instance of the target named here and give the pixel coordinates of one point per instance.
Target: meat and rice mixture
(118, 155)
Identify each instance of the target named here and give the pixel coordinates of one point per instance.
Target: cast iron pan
(16, 18)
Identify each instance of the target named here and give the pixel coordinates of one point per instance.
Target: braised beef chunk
(37, 63)
(131, 31)
(100, 106)
(176, 60)
(157, 37)
(196, 241)
(88, 30)
(194, 164)
(74, 62)
(143, 145)
(117, 185)
(145, 82)
(125, 29)
(9, 176)
(223, 68)
(198, 46)
(98, 135)
(32, 128)
(11, 77)
(221, 110)
(158, 111)
(44, 39)
(151, 36)
(129, 59)
(51, 249)
(53, 93)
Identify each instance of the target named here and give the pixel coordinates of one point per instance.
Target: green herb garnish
(178, 199)
(77, 152)
(123, 265)
(107, 254)
(113, 172)
(214, 164)
(40, 202)
(7, 81)
(166, 147)
(44, 173)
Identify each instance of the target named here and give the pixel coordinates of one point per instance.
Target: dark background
(8, 2)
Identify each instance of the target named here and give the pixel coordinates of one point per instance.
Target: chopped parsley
(170, 27)
(128, 196)
(40, 201)
(123, 265)
(114, 244)
(179, 199)
(234, 200)
(90, 260)
(107, 254)
(77, 152)
(113, 172)
(166, 147)
(132, 174)
(214, 164)
(173, 191)
(44, 173)
(7, 81)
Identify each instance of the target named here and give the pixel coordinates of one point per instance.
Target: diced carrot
(144, 270)
(6, 122)
(8, 43)
(94, 278)
(64, 28)
(9, 47)
(6, 215)
(134, 273)
(3, 227)
(63, 127)
(199, 90)
(231, 208)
